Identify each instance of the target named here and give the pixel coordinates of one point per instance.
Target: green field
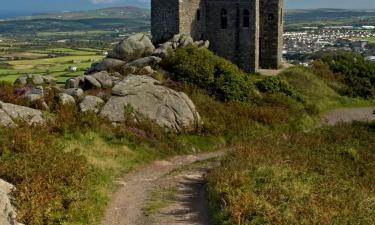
(371, 39)
(53, 66)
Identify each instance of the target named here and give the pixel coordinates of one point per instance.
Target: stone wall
(271, 33)
(164, 19)
(236, 43)
(257, 45)
(192, 18)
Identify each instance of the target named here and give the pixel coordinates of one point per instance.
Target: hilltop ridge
(124, 12)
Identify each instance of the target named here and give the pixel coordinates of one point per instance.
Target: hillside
(317, 17)
(125, 12)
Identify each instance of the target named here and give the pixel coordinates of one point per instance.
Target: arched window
(224, 19)
(198, 15)
(246, 18)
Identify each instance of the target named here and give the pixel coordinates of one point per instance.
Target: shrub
(273, 85)
(356, 73)
(237, 119)
(218, 76)
(50, 182)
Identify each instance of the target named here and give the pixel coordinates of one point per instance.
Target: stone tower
(247, 32)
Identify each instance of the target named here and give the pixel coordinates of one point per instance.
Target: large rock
(91, 82)
(7, 210)
(5, 119)
(104, 79)
(75, 92)
(146, 61)
(34, 94)
(31, 79)
(134, 47)
(65, 99)
(91, 104)
(107, 64)
(149, 99)
(23, 114)
(75, 82)
(163, 50)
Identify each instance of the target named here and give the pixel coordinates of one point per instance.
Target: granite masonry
(247, 32)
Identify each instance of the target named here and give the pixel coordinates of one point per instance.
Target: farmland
(51, 61)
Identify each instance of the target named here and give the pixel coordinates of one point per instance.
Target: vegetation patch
(218, 76)
(322, 177)
(356, 73)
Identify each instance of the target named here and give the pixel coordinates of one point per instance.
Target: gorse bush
(273, 85)
(356, 73)
(203, 68)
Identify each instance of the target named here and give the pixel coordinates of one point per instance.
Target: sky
(8, 6)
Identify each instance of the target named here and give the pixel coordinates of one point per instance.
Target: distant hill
(128, 12)
(314, 15)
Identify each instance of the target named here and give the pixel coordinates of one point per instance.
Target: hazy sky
(60, 5)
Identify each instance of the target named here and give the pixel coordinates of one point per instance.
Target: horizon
(20, 13)
(11, 7)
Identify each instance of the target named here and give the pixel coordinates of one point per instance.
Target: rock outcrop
(7, 210)
(178, 40)
(65, 99)
(135, 47)
(107, 64)
(149, 99)
(18, 113)
(91, 104)
(31, 79)
(77, 93)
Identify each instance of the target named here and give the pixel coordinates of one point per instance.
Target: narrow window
(281, 16)
(246, 18)
(224, 19)
(271, 16)
(165, 15)
(198, 15)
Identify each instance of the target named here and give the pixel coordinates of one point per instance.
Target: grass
(73, 33)
(318, 92)
(159, 200)
(371, 39)
(65, 172)
(56, 67)
(277, 174)
(322, 177)
(53, 61)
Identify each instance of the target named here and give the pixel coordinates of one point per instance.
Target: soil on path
(129, 202)
(348, 115)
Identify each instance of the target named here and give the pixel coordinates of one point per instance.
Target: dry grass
(324, 177)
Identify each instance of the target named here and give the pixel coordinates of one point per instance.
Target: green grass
(318, 92)
(73, 33)
(371, 39)
(56, 67)
(159, 199)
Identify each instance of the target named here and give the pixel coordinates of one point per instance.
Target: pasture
(53, 62)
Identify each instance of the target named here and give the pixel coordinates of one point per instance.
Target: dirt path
(349, 115)
(129, 202)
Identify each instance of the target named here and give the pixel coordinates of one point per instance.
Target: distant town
(300, 46)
